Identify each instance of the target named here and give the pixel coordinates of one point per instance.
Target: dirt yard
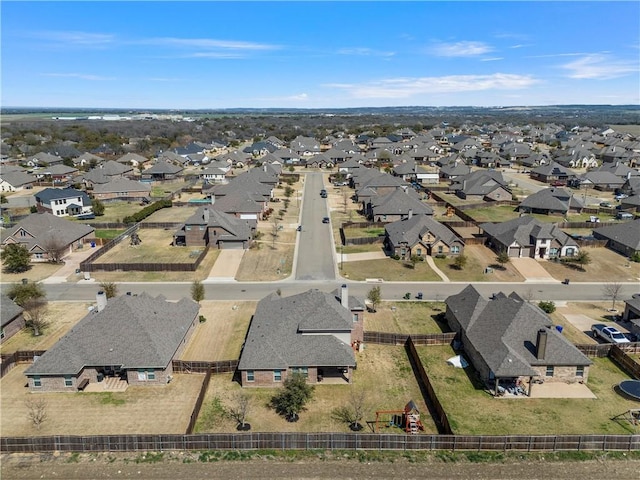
(157, 409)
(406, 317)
(222, 335)
(61, 316)
(383, 373)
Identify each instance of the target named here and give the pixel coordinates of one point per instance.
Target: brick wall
(13, 327)
(562, 374)
(195, 237)
(161, 376)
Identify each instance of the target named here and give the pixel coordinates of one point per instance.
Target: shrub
(146, 211)
(547, 307)
(395, 256)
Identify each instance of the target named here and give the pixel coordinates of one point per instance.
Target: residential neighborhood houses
(404, 206)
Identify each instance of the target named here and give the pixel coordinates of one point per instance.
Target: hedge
(146, 211)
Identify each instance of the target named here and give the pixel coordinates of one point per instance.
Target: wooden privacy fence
(319, 441)
(22, 356)
(86, 264)
(186, 366)
(383, 338)
(199, 401)
(431, 399)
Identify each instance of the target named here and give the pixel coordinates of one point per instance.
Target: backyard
(406, 317)
(384, 375)
(472, 411)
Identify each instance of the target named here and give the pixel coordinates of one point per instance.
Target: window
(304, 371)
(549, 371)
(355, 317)
(2, 334)
(151, 375)
(142, 375)
(440, 249)
(419, 252)
(277, 375)
(187, 227)
(455, 249)
(202, 227)
(68, 381)
(250, 376)
(37, 382)
(580, 371)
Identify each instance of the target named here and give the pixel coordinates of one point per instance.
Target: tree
(16, 258)
(460, 261)
(547, 307)
(503, 258)
(374, 297)
(275, 230)
(582, 259)
(353, 412)
(612, 290)
(110, 289)
(98, 207)
(292, 398)
(414, 259)
(197, 291)
(36, 309)
(55, 249)
(345, 200)
(36, 411)
(239, 409)
(21, 293)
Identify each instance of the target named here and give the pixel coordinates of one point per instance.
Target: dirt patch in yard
(153, 409)
(605, 266)
(222, 335)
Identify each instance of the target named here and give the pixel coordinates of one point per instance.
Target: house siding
(13, 327)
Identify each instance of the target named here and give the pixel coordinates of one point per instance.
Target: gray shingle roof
(627, 234)
(132, 331)
(524, 230)
(238, 229)
(122, 185)
(411, 230)
(8, 310)
(552, 199)
(504, 332)
(399, 201)
(275, 339)
(44, 227)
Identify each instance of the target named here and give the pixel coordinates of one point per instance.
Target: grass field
(479, 258)
(173, 214)
(473, 411)
(406, 317)
(605, 266)
(155, 248)
(389, 270)
(156, 409)
(37, 272)
(222, 335)
(383, 373)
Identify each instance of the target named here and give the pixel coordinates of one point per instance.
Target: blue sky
(187, 55)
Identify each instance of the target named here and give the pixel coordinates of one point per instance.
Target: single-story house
(550, 201)
(623, 238)
(508, 339)
(528, 237)
(11, 318)
(162, 170)
(312, 333)
(133, 338)
(121, 188)
(481, 185)
(14, 179)
(41, 232)
(395, 205)
(421, 235)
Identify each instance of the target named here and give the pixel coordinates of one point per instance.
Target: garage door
(248, 216)
(514, 252)
(231, 245)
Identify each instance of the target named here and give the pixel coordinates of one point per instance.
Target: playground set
(407, 419)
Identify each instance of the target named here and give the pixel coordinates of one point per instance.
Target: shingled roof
(9, 310)
(42, 228)
(276, 338)
(504, 332)
(523, 230)
(411, 230)
(132, 331)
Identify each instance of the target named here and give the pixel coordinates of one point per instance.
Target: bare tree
(36, 309)
(354, 411)
(36, 411)
(275, 230)
(110, 289)
(55, 249)
(528, 296)
(345, 200)
(612, 290)
(240, 408)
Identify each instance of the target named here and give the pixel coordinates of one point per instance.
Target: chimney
(410, 212)
(541, 344)
(101, 300)
(344, 296)
(205, 214)
(213, 198)
(264, 167)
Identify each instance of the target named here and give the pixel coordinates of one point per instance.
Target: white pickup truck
(608, 334)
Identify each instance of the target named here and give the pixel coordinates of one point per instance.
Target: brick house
(508, 339)
(313, 333)
(217, 229)
(12, 318)
(132, 338)
(122, 188)
(421, 235)
(481, 185)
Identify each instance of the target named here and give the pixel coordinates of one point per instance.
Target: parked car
(608, 334)
(620, 196)
(558, 183)
(606, 205)
(325, 220)
(624, 216)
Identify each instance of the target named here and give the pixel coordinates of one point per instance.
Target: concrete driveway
(531, 270)
(71, 263)
(226, 266)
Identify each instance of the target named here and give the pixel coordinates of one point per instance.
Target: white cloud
(363, 51)
(599, 67)
(76, 38)
(460, 49)
(209, 43)
(408, 87)
(491, 59)
(80, 76)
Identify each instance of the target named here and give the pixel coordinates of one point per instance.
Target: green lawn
(107, 234)
(407, 317)
(390, 270)
(473, 411)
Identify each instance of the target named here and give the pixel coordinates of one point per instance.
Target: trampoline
(630, 388)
